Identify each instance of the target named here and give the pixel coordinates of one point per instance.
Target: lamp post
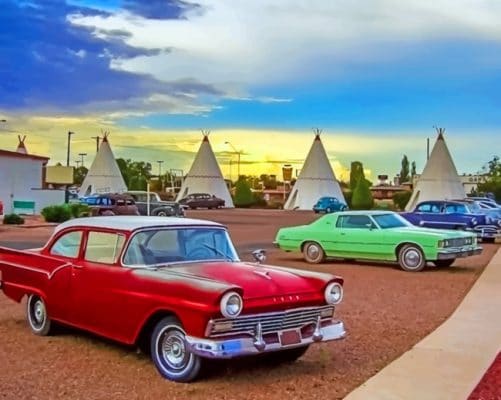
(82, 155)
(68, 149)
(160, 162)
(238, 159)
(97, 142)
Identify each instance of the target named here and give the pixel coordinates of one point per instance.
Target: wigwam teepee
(104, 176)
(439, 180)
(205, 176)
(315, 180)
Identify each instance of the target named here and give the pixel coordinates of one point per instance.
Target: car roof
(363, 212)
(132, 222)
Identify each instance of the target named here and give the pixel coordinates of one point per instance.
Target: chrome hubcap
(313, 251)
(174, 350)
(412, 258)
(38, 313)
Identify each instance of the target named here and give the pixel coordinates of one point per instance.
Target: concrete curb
(449, 362)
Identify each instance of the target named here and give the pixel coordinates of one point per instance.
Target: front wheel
(170, 353)
(444, 263)
(411, 258)
(313, 253)
(36, 313)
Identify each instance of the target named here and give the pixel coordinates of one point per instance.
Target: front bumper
(455, 252)
(487, 231)
(246, 346)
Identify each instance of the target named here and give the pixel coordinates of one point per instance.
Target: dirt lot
(385, 311)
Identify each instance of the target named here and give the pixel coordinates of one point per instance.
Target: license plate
(290, 337)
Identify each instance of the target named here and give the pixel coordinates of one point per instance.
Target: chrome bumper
(446, 254)
(229, 348)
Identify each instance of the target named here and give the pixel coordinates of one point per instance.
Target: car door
(101, 289)
(357, 236)
(66, 247)
(430, 215)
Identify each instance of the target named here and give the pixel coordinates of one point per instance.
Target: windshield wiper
(216, 250)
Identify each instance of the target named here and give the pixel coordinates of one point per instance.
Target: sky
(376, 76)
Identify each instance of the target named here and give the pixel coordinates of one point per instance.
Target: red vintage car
(173, 286)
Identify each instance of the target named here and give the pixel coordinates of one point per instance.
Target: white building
(21, 177)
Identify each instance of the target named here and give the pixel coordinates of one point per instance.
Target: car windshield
(184, 244)
(386, 221)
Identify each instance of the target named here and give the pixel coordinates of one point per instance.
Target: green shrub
(13, 219)
(347, 197)
(259, 201)
(79, 210)
(56, 213)
(362, 197)
(243, 194)
(400, 199)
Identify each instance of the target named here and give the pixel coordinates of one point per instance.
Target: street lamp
(68, 150)
(82, 155)
(238, 159)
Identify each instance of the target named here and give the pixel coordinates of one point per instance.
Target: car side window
(67, 245)
(354, 222)
(104, 247)
(424, 207)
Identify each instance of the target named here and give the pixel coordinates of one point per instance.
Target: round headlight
(333, 293)
(474, 221)
(231, 305)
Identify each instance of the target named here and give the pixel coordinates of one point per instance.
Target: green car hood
(438, 233)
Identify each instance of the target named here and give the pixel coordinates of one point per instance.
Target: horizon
(260, 75)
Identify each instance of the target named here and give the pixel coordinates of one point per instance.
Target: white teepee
(104, 176)
(439, 180)
(316, 179)
(205, 176)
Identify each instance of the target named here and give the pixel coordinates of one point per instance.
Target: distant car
(329, 204)
(201, 200)
(444, 214)
(1, 207)
(111, 204)
(174, 287)
(379, 236)
(157, 206)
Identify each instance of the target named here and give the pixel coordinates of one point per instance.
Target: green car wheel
(313, 253)
(411, 258)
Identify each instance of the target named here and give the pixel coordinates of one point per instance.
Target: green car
(376, 235)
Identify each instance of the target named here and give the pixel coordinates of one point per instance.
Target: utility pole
(82, 155)
(68, 149)
(98, 138)
(160, 174)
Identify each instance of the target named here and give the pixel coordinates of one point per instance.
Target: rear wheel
(313, 253)
(36, 313)
(444, 263)
(170, 352)
(411, 258)
(162, 213)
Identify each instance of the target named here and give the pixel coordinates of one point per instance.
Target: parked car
(442, 214)
(1, 207)
(111, 204)
(156, 205)
(329, 204)
(173, 285)
(201, 200)
(379, 236)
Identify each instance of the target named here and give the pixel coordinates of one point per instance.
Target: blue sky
(387, 70)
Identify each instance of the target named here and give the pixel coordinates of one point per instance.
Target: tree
(79, 174)
(135, 173)
(356, 173)
(404, 171)
(243, 194)
(413, 169)
(492, 183)
(362, 197)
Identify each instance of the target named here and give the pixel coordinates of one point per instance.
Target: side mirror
(370, 226)
(259, 255)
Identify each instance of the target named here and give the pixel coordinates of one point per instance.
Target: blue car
(329, 204)
(441, 214)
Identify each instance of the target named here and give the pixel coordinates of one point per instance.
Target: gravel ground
(385, 310)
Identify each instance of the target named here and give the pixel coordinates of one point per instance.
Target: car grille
(458, 242)
(270, 322)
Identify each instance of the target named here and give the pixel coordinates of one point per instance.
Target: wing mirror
(370, 226)
(259, 255)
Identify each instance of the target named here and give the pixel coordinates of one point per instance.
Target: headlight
(333, 293)
(231, 305)
(446, 243)
(440, 243)
(474, 221)
(499, 222)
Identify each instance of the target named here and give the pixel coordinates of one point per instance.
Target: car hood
(438, 233)
(256, 280)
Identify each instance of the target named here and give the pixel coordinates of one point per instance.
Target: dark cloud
(49, 64)
(158, 9)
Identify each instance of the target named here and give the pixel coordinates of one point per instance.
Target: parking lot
(385, 310)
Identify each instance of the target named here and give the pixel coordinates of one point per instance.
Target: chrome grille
(270, 322)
